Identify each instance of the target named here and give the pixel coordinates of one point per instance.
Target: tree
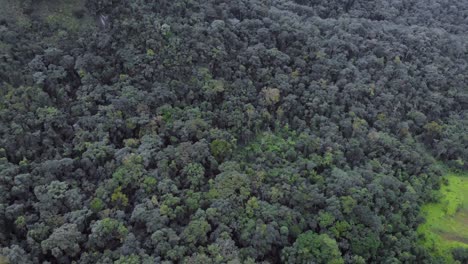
(460, 254)
(107, 233)
(312, 247)
(220, 149)
(64, 241)
(196, 232)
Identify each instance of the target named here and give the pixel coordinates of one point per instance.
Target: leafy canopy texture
(240, 131)
(310, 247)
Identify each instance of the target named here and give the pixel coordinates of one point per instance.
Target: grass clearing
(446, 225)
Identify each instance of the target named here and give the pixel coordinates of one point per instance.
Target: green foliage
(167, 113)
(365, 244)
(325, 219)
(193, 200)
(188, 132)
(340, 228)
(252, 205)
(348, 203)
(270, 142)
(130, 172)
(433, 128)
(150, 52)
(47, 113)
(97, 205)
(131, 142)
(271, 95)
(359, 124)
(119, 198)
(327, 159)
(220, 148)
(170, 206)
(130, 259)
(109, 226)
(81, 73)
(97, 151)
(213, 87)
(20, 222)
(312, 247)
(166, 30)
(196, 231)
(231, 185)
(210, 86)
(149, 184)
(195, 174)
(64, 240)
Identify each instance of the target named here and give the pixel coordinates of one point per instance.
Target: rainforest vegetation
(240, 131)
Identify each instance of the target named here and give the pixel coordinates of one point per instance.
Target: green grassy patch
(446, 225)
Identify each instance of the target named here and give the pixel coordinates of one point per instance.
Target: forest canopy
(241, 131)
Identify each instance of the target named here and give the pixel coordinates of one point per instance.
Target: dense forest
(240, 131)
